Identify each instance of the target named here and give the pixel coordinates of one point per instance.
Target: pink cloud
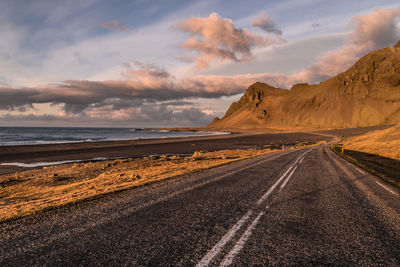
(214, 37)
(144, 85)
(369, 32)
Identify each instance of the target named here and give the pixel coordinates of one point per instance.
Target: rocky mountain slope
(367, 94)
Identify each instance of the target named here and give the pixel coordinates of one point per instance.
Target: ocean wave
(160, 131)
(39, 136)
(39, 164)
(53, 163)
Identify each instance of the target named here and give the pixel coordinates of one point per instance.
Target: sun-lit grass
(377, 152)
(30, 191)
(385, 143)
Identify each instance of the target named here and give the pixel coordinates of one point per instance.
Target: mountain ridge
(366, 94)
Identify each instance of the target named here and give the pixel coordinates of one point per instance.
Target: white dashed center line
(239, 245)
(387, 188)
(287, 179)
(205, 261)
(360, 171)
(225, 239)
(261, 200)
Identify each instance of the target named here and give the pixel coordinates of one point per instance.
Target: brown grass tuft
(30, 191)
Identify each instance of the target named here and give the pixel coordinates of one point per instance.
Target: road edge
(364, 167)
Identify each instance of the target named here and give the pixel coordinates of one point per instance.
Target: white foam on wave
(38, 164)
(216, 133)
(149, 134)
(37, 142)
(51, 163)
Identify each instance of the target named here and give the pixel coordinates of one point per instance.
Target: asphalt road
(303, 207)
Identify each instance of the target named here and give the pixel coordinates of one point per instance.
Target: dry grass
(386, 168)
(30, 191)
(385, 143)
(377, 152)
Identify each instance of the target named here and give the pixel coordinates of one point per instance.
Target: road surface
(297, 207)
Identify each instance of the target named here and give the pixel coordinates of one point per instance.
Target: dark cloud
(149, 93)
(148, 84)
(315, 25)
(142, 71)
(30, 117)
(17, 99)
(187, 116)
(155, 114)
(194, 115)
(179, 103)
(267, 24)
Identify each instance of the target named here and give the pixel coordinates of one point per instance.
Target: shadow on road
(315, 193)
(386, 168)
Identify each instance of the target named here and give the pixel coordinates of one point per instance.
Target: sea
(13, 136)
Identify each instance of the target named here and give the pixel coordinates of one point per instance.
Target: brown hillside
(367, 94)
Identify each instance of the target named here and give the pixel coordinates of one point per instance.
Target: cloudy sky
(158, 63)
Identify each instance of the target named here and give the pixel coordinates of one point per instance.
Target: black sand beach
(140, 148)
